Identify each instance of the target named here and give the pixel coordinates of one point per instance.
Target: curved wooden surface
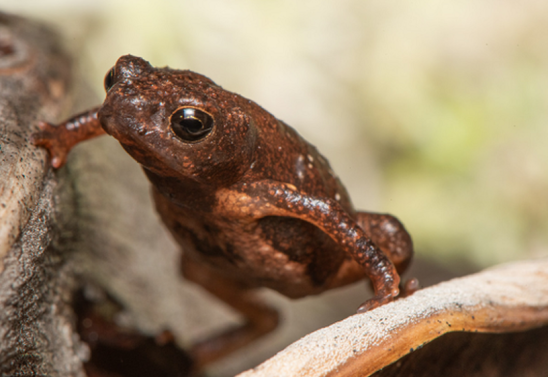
(508, 298)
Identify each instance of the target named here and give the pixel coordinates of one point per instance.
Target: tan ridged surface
(500, 299)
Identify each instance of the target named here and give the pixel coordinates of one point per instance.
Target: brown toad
(251, 203)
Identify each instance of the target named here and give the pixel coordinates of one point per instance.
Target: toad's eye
(109, 79)
(191, 124)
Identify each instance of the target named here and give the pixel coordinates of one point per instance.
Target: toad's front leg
(60, 139)
(271, 198)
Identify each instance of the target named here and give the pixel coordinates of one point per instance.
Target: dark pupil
(191, 124)
(109, 79)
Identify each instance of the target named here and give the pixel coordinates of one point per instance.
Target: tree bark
(36, 278)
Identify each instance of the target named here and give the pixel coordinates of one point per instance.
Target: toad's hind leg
(389, 235)
(260, 318)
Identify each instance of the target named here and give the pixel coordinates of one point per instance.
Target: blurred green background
(434, 112)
